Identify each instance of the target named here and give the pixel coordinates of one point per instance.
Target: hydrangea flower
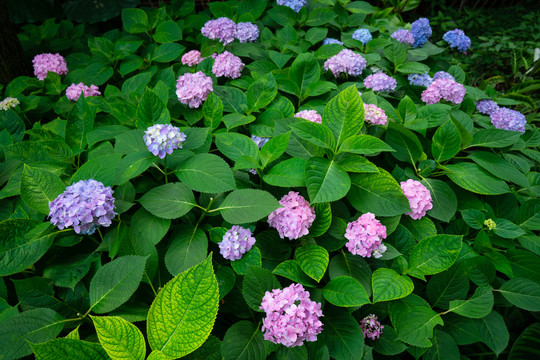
(162, 139)
(291, 316)
(380, 82)
(193, 88)
(446, 89)
(260, 141)
(73, 92)
(328, 41)
(443, 75)
(296, 5)
(345, 62)
(228, 65)
(371, 327)
(374, 115)
(236, 242)
(192, 58)
(508, 119)
(419, 198)
(486, 107)
(420, 79)
(85, 206)
(362, 35)
(421, 32)
(365, 236)
(294, 218)
(49, 62)
(403, 36)
(8, 103)
(223, 29)
(457, 39)
(247, 32)
(310, 115)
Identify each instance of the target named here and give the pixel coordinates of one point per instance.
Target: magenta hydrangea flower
(403, 36)
(374, 115)
(419, 198)
(291, 316)
(260, 141)
(310, 115)
(486, 107)
(228, 65)
(380, 82)
(236, 242)
(193, 88)
(246, 32)
(162, 139)
(223, 29)
(74, 91)
(365, 236)
(371, 327)
(8, 103)
(446, 89)
(294, 218)
(85, 206)
(457, 39)
(192, 58)
(345, 62)
(49, 62)
(508, 119)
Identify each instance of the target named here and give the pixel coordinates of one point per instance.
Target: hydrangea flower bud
(236, 242)
(446, 89)
(74, 91)
(419, 198)
(223, 29)
(296, 5)
(260, 141)
(420, 79)
(457, 39)
(346, 62)
(8, 103)
(403, 36)
(329, 41)
(490, 224)
(365, 236)
(49, 62)
(421, 32)
(85, 206)
(486, 107)
(508, 119)
(310, 115)
(371, 327)
(294, 218)
(380, 82)
(247, 32)
(228, 65)
(362, 35)
(163, 139)
(193, 89)
(291, 316)
(374, 115)
(192, 58)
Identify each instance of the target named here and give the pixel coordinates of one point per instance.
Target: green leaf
(130, 142)
(149, 227)
(157, 355)
(434, 254)
(412, 68)
(234, 145)
(446, 142)
(507, 229)
(292, 353)
(80, 123)
(167, 31)
(444, 347)
(169, 201)
(527, 345)
(414, 320)
(316, 134)
(344, 114)
(405, 143)
(291, 270)
(252, 258)
(247, 205)
(389, 285)
(343, 335)
(120, 338)
(188, 247)
(101, 168)
(396, 53)
(114, 283)
(475, 179)
(305, 69)
(345, 291)
(407, 109)
(478, 306)
(499, 167)
(226, 279)
(206, 173)
(39, 187)
(356, 163)
(494, 138)
(320, 16)
(387, 343)
(444, 199)
(528, 215)
(133, 165)
(274, 148)
(151, 110)
(323, 219)
(212, 111)
(326, 181)
(210, 350)
(364, 144)
(523, 293)
(288, 173)
(69, 271)
(257, 282)
(135, 21)
(234, 100)
(243, 341)
(183, 313)
(261, 92)
(167, 52)
(313, 260)
(67, 349)
(353, 266)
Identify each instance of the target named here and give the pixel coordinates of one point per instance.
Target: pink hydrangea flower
(236, 242)
(74, 91)
(446, 89)
(294, 218)
(193, 89)
(49, 62)
(374, 115)
(380, 82)
(365, 236)
(310, 115)
(419, 198)
(228, 65)
(192, 58)
(291, 316)
(346, 62)
(222, 29)
(371, 327)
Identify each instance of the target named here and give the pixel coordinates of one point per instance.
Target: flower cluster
(362, 35)
(236, 242)
(291, 316)
(371, 327)
(296, 5)
(8, 103)
(380, 82)
(508, 119)
(421, 32)
(457, 39)
(85, 206)
(365, 236)
(403, 36)
(246, 32)
(260, 141)
(49, 62)
(163, 139)
(222, 29)
(294, 218)
(228, 65)
(490, 224)
(420, 79)
(486, 107)
(74, 91)
(310, 115)
(443, 75)
(346, 62)
(328, 41)
(446, 89)
(193, 89)
(419, 198)
(192, 58)
(374, 115)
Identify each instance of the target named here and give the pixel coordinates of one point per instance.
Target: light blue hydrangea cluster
(403, 36)
(420, 79)
(328, 41)
(296, 5)
(443, 75)
(421, 32)
(362, 35)
(247, 32)
(162, 139)
(457, 39)
(260, 141)
(486, 107)
(236, 242)
(508, 119)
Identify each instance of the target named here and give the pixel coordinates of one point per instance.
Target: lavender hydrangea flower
(508, 119)
(365, 236)
(446, 89)
(457, 39)
(419, 198)
(346, 62)
(73, 92)
(246, 32)
(403, 36)
(486, 107)
(421, 32)
(329, 41)
(380, 82)
(85, 206)
(223, 29)
(294, 218)
(192, 58)
(236, 242)
(162, 139)
(362, 35)
(228, 65)
(374, 115)
(260, 141)
(443, 75)
(310, 115)
(8, 103)
(193, 89)
(420, 79)
(49, 62)
(371, 327)
(296, 5)
(291, 316)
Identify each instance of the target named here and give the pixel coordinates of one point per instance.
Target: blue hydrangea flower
(162, 139)
(443, 75)
(486, 107)
(331, 41)
(260, 141)
(421, 32)
(420, 79)
(236, 242)
(508, 119)
(362, 35)
(296, 5)
(457, 39)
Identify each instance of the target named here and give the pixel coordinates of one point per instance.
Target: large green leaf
(528, 215)
(212, 111)
(149, 227)
(101, 168)
(247, 205)
(80, 123)
(444, 347)
(206, 173)
(475, 179)
(257, 282)
(313, 260)
(447, 286)
(389, 285)
(243, 341)
(68, 349)
(353, 266)
(135, 21)
(169, 201)
(343, 335)
(344, 114)
(274, 148)
(478, 306)
(434, 254)
(316, 134)
(120, 338)
(151, 110)
(133, 165)
(287, 173)
(261, 92)
(499, 167)
(345, 291)
(39, 187)
(304, 70)
(527, 345)
(494, 138)
(405, 143)
(234, 145)
(364, 144)
(326, 181)
(523, 293)
(188, 248)
(291, 270)
(446, 142)
(444, 199)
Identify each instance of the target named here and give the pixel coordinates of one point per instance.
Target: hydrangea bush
(264, 180)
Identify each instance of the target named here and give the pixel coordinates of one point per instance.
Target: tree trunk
(12, 61)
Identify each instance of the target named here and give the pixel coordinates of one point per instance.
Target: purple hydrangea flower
(365, 236)
(419, 198)
(421, 32)
(457, 39)
(446, 89)
(85, 206)
(291, 316)
(8, 103)
(328, 41)
(443, 75)
(74, 91)
(192, 58)
(420, 79)
(296, 5)
(228, 65)
(260, 141)
(371, 327)
(403, 36)
(193, 89)
(310, 115)
(380, 82)
(223, 29)
(247, 32)
(486, 107)
(374, 115)
(508, 119)
(49, 62)
(362, 35)
(236, 242)
(294, 218)
(162, 139)
(346, 62)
